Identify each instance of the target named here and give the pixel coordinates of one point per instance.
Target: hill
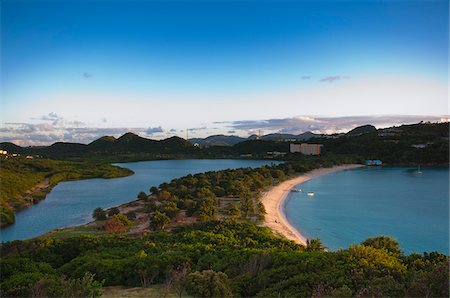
(223, 140)
(109, 147)
(218, 140)
(422, 143)
(360, 130)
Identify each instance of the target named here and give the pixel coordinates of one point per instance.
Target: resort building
(373, 162)
(274, 154)
(306, 149)
(4, 152)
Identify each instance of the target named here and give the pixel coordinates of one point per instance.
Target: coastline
(274, 202)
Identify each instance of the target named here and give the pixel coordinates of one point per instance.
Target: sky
(76, 70)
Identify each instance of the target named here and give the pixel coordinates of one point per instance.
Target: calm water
(353, 205)
(72, 203)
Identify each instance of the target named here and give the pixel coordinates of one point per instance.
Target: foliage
(314, 245)
(99, 214)
(117, 223)
(159, 220)
(142, 195)
(384, 242)
(113, 211)
(254, 261)
(208, 284)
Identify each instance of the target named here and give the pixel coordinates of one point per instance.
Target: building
(274, 154)
(4, 152)
(306, 149)
(373, 162)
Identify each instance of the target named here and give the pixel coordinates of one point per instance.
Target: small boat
(418, 170)
(311, 194)
(296, 190)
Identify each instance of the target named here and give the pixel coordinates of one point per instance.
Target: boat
(296, 190)
(311, 194)
(418, 170)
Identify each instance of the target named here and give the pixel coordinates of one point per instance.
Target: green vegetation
(27, 181)
(223, 253)
(227, 194)
(219, 259)
(425, 144)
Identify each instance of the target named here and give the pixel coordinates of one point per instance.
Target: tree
(208, 284)
(154, 190)
(234, 212)
(314, 244)
(147, 268)
(159, 220)
(431, 284)
(164, 195)
(207, 210)
(170, 209)
(384, 242)
(117, 223)
(177, 278)
(261, 210)
(142, 195)
(205, 193)
(113, 211)
(150, 206)
(99, 214)
(86, 286)
(247, 205)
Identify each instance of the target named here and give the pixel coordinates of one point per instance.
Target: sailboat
(418, 170)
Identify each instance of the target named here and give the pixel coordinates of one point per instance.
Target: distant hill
(129, 143)
(218, 140)
(290, 137)
(223, 140)
(12, 148)
(360, 130)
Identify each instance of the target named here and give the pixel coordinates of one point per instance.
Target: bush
(99, 214)
(117, 223)
(208, 284)
(113, 211)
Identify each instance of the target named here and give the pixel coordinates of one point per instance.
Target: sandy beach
(273, 201)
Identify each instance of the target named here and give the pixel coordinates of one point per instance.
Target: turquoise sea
(71, 203)
(352, 205)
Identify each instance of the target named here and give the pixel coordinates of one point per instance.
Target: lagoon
(71, 203)
(353, 205)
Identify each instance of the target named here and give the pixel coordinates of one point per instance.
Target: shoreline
(274, 202)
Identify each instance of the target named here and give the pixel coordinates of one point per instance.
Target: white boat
(296, 190)
(311, 194)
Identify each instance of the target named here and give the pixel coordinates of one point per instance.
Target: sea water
(408, 205)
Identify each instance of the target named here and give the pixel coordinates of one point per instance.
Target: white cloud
(300, 124)
(153, 130)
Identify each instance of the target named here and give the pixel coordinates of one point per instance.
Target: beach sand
(273, 201)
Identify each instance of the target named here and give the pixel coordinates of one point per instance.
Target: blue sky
(74, 66)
